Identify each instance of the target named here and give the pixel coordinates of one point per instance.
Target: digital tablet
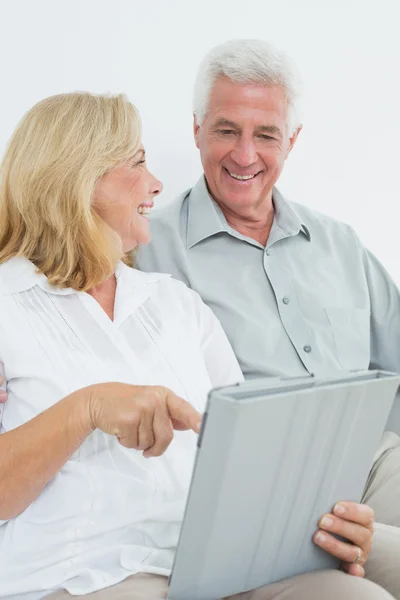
(273, 457)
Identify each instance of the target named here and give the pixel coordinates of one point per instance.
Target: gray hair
(248, 61)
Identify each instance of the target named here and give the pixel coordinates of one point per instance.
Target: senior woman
(102, 364)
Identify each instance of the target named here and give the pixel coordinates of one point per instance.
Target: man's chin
(236, 196)
(242, 198)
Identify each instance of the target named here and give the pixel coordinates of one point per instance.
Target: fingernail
(326, 522)
(320, 538)
(339, 509)
(198, 426)
(366, 509)
(359, 571)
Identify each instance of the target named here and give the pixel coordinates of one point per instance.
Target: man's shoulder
(169, 216)
(165, 252)
(319, 223)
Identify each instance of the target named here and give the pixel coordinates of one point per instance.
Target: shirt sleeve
(221, 363)
(385, 316)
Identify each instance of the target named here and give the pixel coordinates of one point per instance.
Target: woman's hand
(141, 417)
(355, 523)
(3, 394)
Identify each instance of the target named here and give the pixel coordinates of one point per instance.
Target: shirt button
(307, 348)
(285, 300)
(268, 252)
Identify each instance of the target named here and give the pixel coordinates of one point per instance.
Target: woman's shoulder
(168, 293)
(17, 274)
(170, 284)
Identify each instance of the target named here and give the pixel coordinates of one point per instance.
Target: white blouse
(109, 512)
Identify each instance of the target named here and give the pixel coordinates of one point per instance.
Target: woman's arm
(32, 454)
(141, 417)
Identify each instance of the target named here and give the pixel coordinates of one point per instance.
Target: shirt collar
(133, 289)
(19, 274)
(205, 218)
(286, 217)
(133, 285)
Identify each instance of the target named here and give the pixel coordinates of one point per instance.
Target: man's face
(243, 142)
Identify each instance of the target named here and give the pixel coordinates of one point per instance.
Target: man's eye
(266, 137)
(226, 131)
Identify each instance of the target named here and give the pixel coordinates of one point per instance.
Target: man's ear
(196, 128)
(293, 138)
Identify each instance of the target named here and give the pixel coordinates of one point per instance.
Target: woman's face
(123, 197)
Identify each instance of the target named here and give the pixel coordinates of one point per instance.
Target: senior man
(295, 291)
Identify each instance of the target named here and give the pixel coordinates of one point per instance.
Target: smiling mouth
(144, 210)
(241, 177)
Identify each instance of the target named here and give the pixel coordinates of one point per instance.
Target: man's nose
(244, 154)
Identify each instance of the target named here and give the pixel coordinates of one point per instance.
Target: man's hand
(3, 394)
(355, 523)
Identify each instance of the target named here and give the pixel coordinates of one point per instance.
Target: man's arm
(385, 316)
(385, 325)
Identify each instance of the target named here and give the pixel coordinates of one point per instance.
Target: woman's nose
(156, 186)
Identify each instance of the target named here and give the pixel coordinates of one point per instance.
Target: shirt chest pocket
(351, 333)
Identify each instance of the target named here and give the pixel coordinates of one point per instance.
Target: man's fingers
(354, 522)
(357, 513)
(348, 553)
(359, 535)
(182, 413)
(353, 569)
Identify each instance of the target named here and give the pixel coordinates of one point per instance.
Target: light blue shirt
(312, 300)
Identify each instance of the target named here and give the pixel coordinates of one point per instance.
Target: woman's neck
(104, 294)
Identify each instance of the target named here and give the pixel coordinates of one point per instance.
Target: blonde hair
(60, 149)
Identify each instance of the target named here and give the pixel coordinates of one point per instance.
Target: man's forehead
(224, 89)
(234, 102)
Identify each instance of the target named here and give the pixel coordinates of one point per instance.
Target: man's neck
(257, 228)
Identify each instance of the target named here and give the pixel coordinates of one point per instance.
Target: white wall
(346, 161)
